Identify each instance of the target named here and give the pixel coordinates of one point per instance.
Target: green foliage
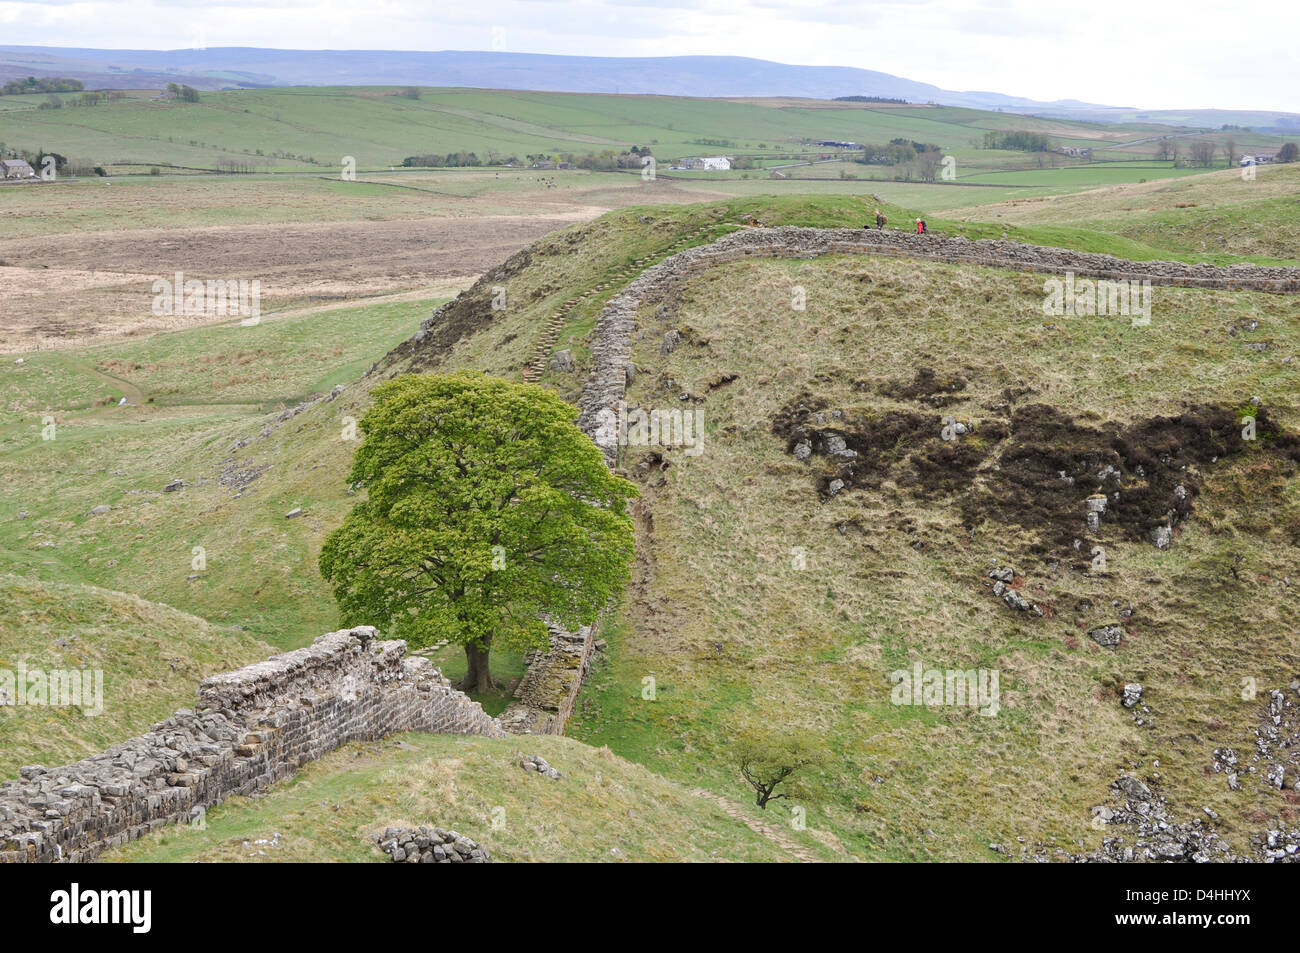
(186, 94)
(486, 509)
(46, 84)
(768, 759)
(1019, 140)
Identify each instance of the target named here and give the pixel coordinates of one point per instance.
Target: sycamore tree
(487, 511)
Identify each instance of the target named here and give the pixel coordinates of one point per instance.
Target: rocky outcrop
(250, 728)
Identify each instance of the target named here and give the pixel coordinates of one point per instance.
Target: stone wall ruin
(250, 728)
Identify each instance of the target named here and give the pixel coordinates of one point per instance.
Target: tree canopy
(487, 511)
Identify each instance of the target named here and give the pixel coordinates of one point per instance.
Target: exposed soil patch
(1149, 472)
(1043, 471)
(464, 315)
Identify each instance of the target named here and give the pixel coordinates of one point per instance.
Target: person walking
(880, 220)
(920, 226)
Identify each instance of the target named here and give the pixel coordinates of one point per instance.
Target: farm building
(16, 169)
(713, 164)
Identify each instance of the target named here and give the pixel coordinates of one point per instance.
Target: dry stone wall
(548, 692)
(250, 728)
(616, 324)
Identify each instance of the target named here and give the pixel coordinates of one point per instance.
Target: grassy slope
(298, 128)
(603, 809)
(733, 634)
(152, 658)
(209, 388)
(262, 568)
(1211, 213)
(314, 128)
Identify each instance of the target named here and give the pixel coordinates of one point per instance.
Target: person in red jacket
(920, 226)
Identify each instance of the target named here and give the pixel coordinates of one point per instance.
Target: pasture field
(314, 129)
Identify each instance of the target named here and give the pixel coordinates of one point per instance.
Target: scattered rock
(1014, 599)
(1132, 694)
(293, 513)
(100, 510)
(173, 486)
(563, 362)
(1107, 636)
(537, 764)
(430, 845)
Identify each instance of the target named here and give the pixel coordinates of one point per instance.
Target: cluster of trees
(46, 84)
(186, 94)
(62, 164)
(869, 99)
(1201, 152)
(1017, 140)
(85, 99)
(455, 160)
(608, 160)
(896, 152)
(604, 161)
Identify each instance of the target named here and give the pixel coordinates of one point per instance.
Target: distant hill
(704, 76)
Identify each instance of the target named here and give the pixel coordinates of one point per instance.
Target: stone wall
(615, 326)
(548, 692)
(250, 728)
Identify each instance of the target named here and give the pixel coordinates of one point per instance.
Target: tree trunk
(478, 676)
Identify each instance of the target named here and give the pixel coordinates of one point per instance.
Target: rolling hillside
(313, 129)
(150, 658)
(708, 76)
(735, 630)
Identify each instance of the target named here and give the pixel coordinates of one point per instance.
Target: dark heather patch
(926, 387)
(947, 467)
(1035, 472)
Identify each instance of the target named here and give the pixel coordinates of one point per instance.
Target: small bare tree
(767, 760)
(1203, 152)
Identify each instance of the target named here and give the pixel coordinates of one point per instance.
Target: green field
(733, 635)
(314, 129)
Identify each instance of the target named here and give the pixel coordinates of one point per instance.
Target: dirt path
(774, 834)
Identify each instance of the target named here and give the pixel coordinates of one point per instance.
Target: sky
(1154, 54)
